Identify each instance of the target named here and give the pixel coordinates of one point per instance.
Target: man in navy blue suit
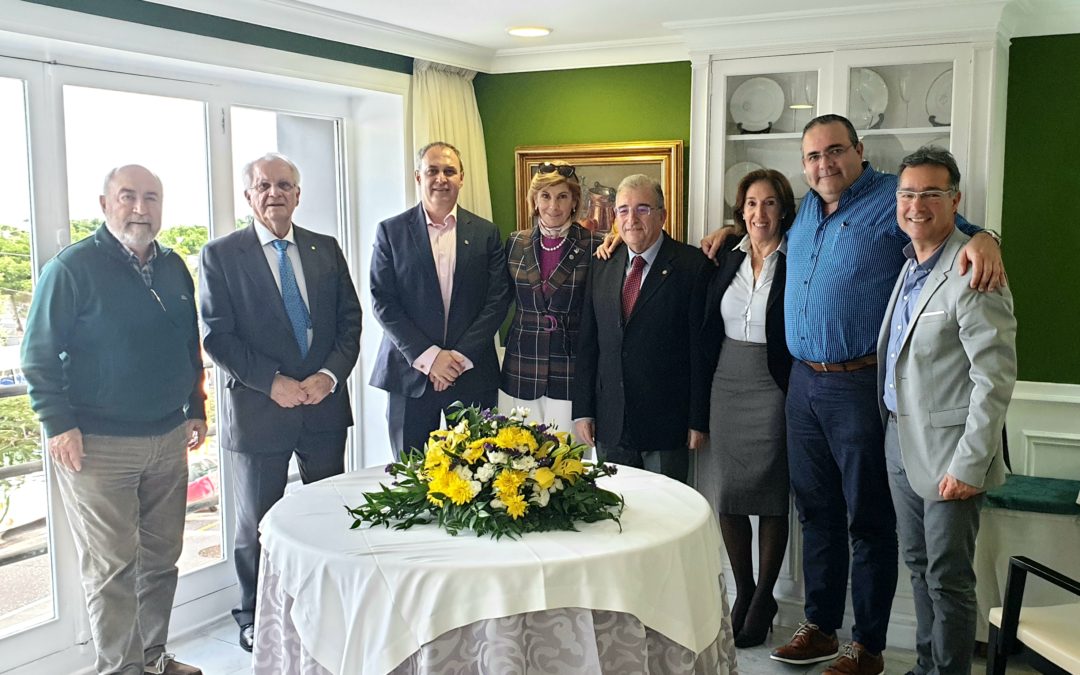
(281, 318)
(439, 287)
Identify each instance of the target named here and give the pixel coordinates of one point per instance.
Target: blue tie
(294, 302)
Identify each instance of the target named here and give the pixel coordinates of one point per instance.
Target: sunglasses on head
(564, 170)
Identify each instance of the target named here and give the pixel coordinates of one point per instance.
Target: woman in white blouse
(744, 471)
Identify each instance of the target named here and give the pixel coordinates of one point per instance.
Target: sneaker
(855, 660)
(167, 664)
(809, 644)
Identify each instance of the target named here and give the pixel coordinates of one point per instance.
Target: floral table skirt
(569, 640)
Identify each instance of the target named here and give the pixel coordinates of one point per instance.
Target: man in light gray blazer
(946, 370)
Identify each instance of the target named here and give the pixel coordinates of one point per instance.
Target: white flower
(524, 463)
(462, 427)
(485, 473)
(475, 486)
(519, 412)
(496, 504)
(464, 472)
(558, 485)
(497, 457)
(540, 496)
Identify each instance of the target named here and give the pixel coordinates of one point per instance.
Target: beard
(136, 235)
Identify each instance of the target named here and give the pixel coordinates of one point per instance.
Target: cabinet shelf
(906, 131)
(787, 135)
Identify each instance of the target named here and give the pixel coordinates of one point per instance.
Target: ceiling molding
(590, 55)
(912, 22)
(301, 17)
(1029, 18)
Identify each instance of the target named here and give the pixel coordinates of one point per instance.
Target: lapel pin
(571, 256)
(313, 248)
(466, 242)
(663, 273)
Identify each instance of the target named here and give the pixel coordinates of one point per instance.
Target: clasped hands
(289, 393)
(445, 370)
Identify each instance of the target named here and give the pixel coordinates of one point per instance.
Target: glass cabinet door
(758, 122)
(898, 108)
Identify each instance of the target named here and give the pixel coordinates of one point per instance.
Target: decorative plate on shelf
(757, 103)
(732, 176)
(939, 100)
(868, 96)
(943, 142)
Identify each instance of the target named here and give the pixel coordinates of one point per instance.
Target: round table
(377, 600)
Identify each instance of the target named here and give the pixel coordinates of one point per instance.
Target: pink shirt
(443, 238)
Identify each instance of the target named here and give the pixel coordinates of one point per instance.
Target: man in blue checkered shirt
(844, 251)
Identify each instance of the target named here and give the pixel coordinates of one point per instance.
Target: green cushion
(1033, 493)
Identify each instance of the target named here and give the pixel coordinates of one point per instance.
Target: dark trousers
(671, 463)
(836, 458)
(259, 482)
(411, 419)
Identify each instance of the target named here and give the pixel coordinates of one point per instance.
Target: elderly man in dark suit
(440, 291)
(639, 343)
(281, 318)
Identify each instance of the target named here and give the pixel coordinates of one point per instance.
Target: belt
(845, 367)
(546, 322)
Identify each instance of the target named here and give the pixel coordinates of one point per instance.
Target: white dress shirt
(745, 300)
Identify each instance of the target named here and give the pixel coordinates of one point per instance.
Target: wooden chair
(1050, 635)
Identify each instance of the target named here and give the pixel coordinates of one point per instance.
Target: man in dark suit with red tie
(281, 318)
(639, 343)
(439, 289)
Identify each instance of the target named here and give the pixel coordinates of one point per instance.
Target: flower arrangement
(493, 474)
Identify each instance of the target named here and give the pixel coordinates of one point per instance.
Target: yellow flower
(436, 458)
(569, 468)
(545, 449)
(516, 438)
(516, 506)
(544, 477)
(508, 482)
(458, 489)
(563, 436)
(475, 450)
(435, 500)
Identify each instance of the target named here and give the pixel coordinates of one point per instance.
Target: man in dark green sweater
(111, 354)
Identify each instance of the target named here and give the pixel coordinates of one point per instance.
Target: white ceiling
(472, 33)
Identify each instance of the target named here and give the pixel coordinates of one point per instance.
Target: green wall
(589, 105)
(1039, 206)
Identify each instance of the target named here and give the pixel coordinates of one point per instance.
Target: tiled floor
(216, 651)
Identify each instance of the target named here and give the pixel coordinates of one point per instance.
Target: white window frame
(50, 48)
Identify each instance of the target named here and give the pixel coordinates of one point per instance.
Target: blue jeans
(836, 457)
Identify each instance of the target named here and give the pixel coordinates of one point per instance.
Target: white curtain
(444, 109)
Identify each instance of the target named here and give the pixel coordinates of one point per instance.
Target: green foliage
(482, 448)
(20, 441)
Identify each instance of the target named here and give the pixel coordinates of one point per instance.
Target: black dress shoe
(247, 636)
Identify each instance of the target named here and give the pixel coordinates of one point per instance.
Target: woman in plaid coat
(548, 265)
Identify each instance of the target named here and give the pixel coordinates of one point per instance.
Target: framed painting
(600, 167)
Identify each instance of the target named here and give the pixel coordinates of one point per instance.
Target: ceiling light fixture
(529, 31)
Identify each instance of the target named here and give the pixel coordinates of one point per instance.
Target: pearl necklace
(556, 247)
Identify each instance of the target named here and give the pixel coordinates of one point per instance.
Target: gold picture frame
(607, 164)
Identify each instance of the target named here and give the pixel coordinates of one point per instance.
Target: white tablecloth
(365, 600)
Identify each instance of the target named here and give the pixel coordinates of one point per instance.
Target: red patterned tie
(632, 286)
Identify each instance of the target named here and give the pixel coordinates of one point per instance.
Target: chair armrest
(1019, 567)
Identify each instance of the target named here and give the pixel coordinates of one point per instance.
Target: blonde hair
(542, 181)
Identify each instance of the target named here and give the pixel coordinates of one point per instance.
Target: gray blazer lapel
(934, 282)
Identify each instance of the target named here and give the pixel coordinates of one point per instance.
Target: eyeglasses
(564, 170)
(281, 185)
(643, 210)
(830, 153)
(928, 196)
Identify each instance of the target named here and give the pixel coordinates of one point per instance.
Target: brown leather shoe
(855, 660)
(167, 665)
(809, 644)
